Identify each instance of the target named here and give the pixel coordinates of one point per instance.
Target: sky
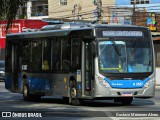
(127, 2)
(154, 5)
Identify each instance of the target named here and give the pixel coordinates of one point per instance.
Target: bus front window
(112, 56)
(124, 56)
(139, 56)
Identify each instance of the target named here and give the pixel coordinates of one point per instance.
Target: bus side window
(76, 53)
(46, 44)
(36, 56)
(66, 50)
(26, 52)
(56, 53)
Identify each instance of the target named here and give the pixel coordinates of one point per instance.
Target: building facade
(37, 9)
(132, 2)
(77, 9)
(145, 12)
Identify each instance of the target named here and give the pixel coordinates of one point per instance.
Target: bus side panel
(9, 82)
(39, 85)
(49, 84)
(20, 84)
(62, 84)
(2, 54)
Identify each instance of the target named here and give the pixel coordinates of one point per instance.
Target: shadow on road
(101, 103)
(16, 98)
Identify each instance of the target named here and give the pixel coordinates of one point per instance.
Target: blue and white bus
(80, 61)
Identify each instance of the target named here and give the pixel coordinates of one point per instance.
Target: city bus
(79, 62)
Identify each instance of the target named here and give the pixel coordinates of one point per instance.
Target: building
(74, 10)
(37, 9)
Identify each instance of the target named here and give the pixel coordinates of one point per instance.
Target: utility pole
(133, 17)
(99, 9)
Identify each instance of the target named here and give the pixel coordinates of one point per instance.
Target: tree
(9, 9)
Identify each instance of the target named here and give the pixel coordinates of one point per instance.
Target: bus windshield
(125, 56)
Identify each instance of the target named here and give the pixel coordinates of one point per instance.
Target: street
(49, 107)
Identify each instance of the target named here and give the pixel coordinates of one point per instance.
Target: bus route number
(138, 84)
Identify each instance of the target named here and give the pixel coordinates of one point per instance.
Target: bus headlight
(150, 82)
(102, 82)
(2, 72)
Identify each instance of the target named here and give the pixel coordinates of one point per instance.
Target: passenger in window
(45, 65)
(66, 65)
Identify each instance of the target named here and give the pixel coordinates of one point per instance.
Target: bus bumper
(145, 92)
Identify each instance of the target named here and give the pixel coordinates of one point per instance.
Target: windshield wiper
(116, 48)
(132, 49)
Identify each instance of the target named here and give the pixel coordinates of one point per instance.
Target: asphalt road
(49, 108)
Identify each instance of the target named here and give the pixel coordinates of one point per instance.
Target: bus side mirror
(88, 38)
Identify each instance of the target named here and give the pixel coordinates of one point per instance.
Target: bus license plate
(126, 94)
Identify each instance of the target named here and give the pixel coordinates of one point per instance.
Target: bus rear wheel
(29, 97)
(26, 95)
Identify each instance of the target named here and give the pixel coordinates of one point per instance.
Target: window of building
(140, 2)
(63, 2)
(39, 8)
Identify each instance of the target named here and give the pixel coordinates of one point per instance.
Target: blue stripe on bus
(20, 83)
(41, 84)
(127, 83)
(8, 82)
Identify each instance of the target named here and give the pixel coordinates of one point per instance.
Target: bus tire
(29, 97)
(126, 100)
(73, 94)
(26, 95)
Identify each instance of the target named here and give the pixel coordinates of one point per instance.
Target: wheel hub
(73, 92)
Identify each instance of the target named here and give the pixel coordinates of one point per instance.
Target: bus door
(15, 66)
(87, 68)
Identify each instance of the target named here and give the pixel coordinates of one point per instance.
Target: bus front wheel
(73, 94)
(26, 95)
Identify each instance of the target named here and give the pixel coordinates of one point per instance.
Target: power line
(118, 10)
(59, 6)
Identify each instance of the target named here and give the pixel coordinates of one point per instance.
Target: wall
(75, 9)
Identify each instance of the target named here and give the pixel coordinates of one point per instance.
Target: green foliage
(8, 10)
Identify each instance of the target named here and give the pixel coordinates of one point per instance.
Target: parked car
(2, 70)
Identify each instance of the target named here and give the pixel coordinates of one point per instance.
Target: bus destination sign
(122, 33)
